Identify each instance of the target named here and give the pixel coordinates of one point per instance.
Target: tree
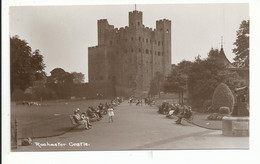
(25, 65)
(176, 82)
(78, 77)
(242, 45)
(61, 82)
(38, 65)
(205, 75)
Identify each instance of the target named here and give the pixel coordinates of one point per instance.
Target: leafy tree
(61, 82)
(242, 45)
(25, 65)
(78, 77)
(177, 80)
(38, 65)
(205, 75)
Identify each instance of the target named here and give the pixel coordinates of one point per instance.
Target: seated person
(85, 117)
(98, 112)
(81, 119)
(171, 111)
(89, 112)
(184, 112)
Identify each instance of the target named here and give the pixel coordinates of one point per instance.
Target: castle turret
(135, 19)
(103, 28)
(164, 28)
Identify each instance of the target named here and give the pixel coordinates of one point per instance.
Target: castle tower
(103, 28)
(128, 58)
(164, 29)
(135, 19)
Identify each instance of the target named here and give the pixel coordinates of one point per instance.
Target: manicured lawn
(49, 119)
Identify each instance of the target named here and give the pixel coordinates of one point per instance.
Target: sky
(64, 33)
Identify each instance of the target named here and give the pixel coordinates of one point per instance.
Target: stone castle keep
(126, 59)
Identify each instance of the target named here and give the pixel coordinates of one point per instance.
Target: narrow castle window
(138, 23)
(139, 38)
(147, 51)
(132, 38)
(159, 43)
(132, 50)
(146, 40)
(159, 53)
(140, 50)
(167, 31)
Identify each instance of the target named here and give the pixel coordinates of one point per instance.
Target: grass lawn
(49, 119)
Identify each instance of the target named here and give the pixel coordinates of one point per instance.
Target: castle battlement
(163, 20)
(135, 12)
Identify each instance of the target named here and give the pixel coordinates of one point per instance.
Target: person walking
(110, 113)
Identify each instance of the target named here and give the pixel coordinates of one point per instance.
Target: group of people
(138, 101)
(179, 110)
(92, 113)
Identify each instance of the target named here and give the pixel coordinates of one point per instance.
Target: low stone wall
(235, 126)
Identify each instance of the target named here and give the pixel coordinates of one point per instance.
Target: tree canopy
(61, 82)
(78, 77)
(242, 45)
(177, 80)
(200, 78)
(26, 66)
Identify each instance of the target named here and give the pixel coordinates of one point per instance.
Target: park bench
(73, 121)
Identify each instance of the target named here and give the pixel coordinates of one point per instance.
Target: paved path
(138, 128)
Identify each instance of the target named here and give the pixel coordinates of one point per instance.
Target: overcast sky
(64, 33)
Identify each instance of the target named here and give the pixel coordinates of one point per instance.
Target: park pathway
(137, 128)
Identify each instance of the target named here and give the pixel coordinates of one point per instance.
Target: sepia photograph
(129, 77)
(130, 82)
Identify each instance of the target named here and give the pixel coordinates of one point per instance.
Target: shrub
(222, 97)
(224, 110)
